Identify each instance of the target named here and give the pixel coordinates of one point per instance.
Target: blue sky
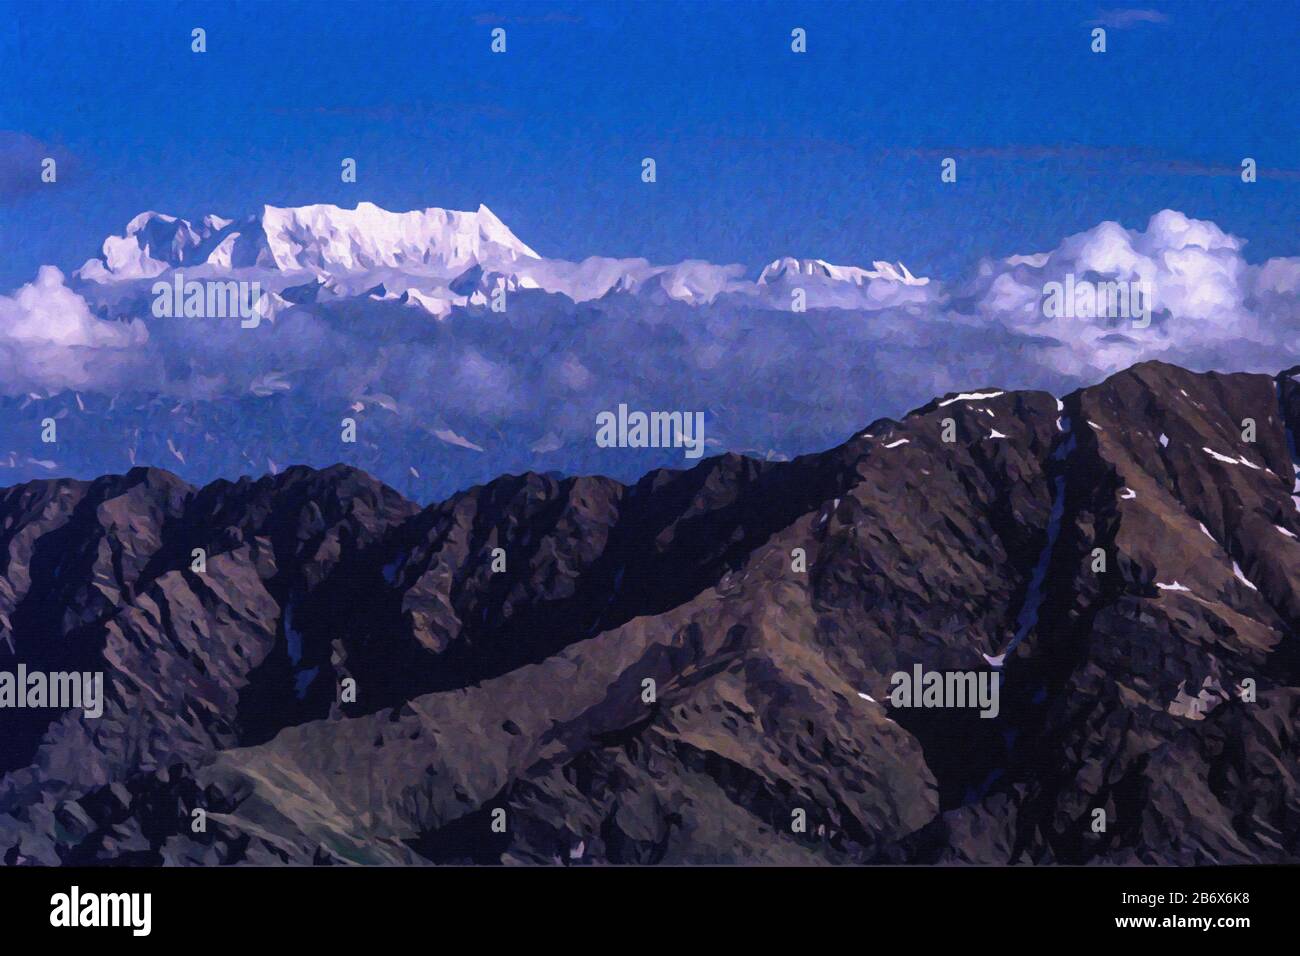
(760, 152)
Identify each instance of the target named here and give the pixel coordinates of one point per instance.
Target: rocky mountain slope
(1126, 558)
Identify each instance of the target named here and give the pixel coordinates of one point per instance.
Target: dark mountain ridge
(1159, 689)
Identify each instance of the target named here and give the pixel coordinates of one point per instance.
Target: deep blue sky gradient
(760, 152)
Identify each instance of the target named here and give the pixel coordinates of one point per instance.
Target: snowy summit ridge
(438, 259)
(316, 238)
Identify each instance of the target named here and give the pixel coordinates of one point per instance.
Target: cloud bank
(50, 341)
(521, 388)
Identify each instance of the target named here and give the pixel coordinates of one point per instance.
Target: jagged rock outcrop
(1125, 558)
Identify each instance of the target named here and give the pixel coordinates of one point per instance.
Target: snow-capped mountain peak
(315, 254)
(331, 239)
(153, 243)
(321, 238)
(790, 268)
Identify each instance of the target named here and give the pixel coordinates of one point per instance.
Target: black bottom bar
(873, 905)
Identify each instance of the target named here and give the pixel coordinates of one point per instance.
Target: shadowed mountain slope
(1125, 559)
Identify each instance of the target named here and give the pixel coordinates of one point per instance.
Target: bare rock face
(698, 668)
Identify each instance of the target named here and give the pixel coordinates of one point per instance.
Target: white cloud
(50, 340)
(1208, 304)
